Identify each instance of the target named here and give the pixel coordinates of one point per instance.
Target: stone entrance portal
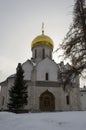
(47, 101)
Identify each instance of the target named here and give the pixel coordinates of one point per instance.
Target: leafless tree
(74, 43)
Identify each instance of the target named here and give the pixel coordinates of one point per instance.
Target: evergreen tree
(18, 92)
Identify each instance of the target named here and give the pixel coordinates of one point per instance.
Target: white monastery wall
(5, 92)
(83, 100)
(47, 66)
(27, 67)
(60, 98)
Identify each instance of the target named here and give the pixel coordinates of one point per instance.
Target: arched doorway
(47, 101)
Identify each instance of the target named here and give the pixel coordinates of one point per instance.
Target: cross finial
(42, 28)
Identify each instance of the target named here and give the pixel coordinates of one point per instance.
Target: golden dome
(42, 40)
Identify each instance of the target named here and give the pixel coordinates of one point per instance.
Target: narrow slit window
(67, 100)
(43, 53)
(46, 76)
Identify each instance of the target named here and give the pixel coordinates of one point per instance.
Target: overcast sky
(21, 22)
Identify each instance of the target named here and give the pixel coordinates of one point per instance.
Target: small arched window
(46, 76)
(43, 53)
(67, 100)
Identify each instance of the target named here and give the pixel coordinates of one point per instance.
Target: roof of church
(42, 40)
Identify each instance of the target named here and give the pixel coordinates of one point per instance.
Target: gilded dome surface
(42, 40)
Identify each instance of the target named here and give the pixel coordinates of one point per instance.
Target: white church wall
(60, 98)
(55, 91)
(47, 66)
(75, 99)
(5, 93)
(83, 99)
(27, 67)
(3, 97)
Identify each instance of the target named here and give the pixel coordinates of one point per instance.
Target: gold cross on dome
(42, 28)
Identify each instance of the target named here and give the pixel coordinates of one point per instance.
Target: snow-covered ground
(43, 121)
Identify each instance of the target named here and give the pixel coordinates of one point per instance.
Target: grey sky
(20, 23)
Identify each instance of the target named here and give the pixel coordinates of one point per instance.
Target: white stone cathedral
(42, 75)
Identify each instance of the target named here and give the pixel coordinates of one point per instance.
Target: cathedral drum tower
(42, 47)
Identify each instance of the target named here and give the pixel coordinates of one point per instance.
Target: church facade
(45, 87)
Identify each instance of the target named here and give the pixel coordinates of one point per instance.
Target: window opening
(35, 53)
(67, 100)
(46, 76)
(43, 53)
